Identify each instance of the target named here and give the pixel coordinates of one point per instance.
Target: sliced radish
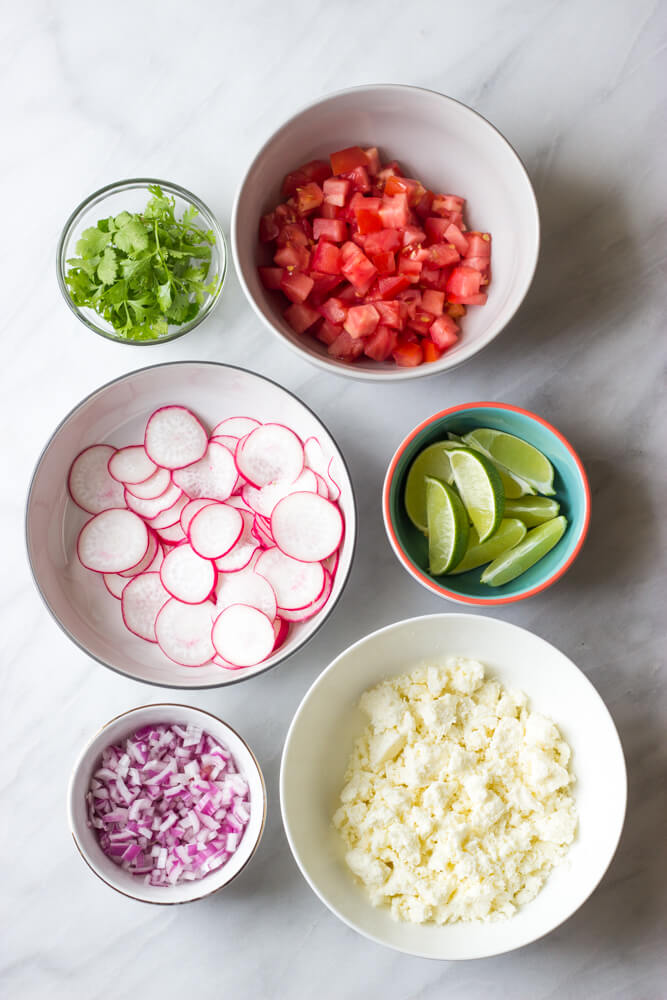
(230, 443)
(239, 503)
(172, 515)
(112, 541)
(131, 465)
(301, 614)
(215, 529)
(148, 559)
(331, 564)
(141, 602)
(173, 534)
(187, 576)
(269, 454)
(281, 630)
(153, 487)
(214, 475)
(191, 508)
(183, 632)
(243, 549)
(174, 437)
(90, 485)
(243, 635)
(236, 427)
(317, 461)
(263, 500)
(115, 584)
(246, 587)
(262, 531)
(307, 527)
(151, 508)
(334, 488)
(322, 488)
(295, 584)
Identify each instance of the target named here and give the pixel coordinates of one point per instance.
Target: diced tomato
(271, 277)
(390, 287)
(347, 159)
(421, 322)
(336, 191)
(373, 157)
(292, 181)
(326, 258)
(268, 228)
(455, 310)
(284, 213)
(346, 347)
(390, 314)
(309, 197)
(384, 262)
(443, 204)
(444, 332)
(293, 233)
(328, 211)
(407, 354)
(395, 212)
(479, 244)
(356, 266)
(361, 203)
(361, 320)
(348, 294)
(433, 302)
(410, 302)
(368, 222)
(454, 235)
(328, 332)
(380, 345)
(295, 257)
(410, 268)
(412, 234)
(480, 264)
(330, 229)
(468, 300)
(359, 179)
(423, 206)
(334, 310)
(456, 218)
(442, 255)
(464, 281)
(431, 352)
(300, 317)
(387, 241)
(323, 286)
(317, 170)
(390, 170)
(296, 285)
(406, 185)
(416, 252)
(436, 229)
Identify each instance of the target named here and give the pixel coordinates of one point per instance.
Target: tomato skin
(301, 317)
(271, 277)
(316, 170)
(444, 332)
(347, 159)
(334, 230)
(431, 352)
(368, 222)
(464, 281)
(384, 262)
(407, 354)
(296, 286)
(390, 287)
(468, 300)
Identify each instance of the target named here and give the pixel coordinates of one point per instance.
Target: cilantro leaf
(132, 236)
(91, 242)
(107, 268)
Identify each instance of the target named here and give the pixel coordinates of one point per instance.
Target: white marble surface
(95, 92)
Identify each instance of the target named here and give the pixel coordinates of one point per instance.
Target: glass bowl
(132, 196)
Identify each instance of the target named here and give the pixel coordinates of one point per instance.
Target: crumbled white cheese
(457, 800)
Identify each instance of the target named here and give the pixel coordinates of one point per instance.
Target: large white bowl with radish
(191, 524)
(363, 229)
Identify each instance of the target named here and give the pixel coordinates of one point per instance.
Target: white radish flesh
(173, 534)
(90, 485)
(141, 602)
(151, 508)
(192, 508)
(307, 527)
(215, 529)
(262, 532)
(170, 516)
(147, 561)
(187, 576)
(246, 587)
(115, 584)
(295, 584)
(154, 486)
(183, 632)
(174, 437)
(243, 635)
(131, 465)
(263, 500)
(113, 541)
(269, 454)
(243, 549)
(213, 475)
(302, 614)
(236, 427)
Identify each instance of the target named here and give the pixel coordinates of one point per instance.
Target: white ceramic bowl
(327, 723)
(117, 413)
(86, 840)
(435, 138)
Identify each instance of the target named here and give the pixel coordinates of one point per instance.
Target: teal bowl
(570, 483)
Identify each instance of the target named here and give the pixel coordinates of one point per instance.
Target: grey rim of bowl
(327, 669)
(168, 902)
(131, 184)
(401, 374)
(162, 684)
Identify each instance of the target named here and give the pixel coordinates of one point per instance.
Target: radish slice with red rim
(214, 475)
(187, 576)
(236, 427)
(331, 564)
(243, 549)
(173, 534)
(174, 437)
(322, 488)
(170, 516)
(230, 443)
(115, 584)
(152, 507)
(215, 529)
(246, 587)
(307, 527)
(154, 486)
(317, 461)
(239, 503)
(263, 500)
(302, 614)
(131, 465)
(90, 485)
(141, 602)
(183, 632)
(281, 630)
(148, 559)
(112, 541)
(295, 584)
(269, 454)
(262, 532)
(192, 508)
(243, 635)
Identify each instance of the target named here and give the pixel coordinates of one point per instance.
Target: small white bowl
(328, 721)
(445, 144)
(117, 414)
(85, 837)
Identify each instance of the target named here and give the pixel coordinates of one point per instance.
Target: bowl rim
(331, 666)
(130, 184)
(427, 581)
(326, 611)
(76, 767)
(400, 374)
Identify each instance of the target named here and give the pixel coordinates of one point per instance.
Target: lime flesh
(509, 534)
(536, 544)
(518, 457)
(532, 510)
(481, 490)
(447, 526)
(432, 461)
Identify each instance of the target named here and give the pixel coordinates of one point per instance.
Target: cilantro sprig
(143, 272)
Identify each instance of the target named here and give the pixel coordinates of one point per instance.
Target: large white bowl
(117, 413)
(85, 837)
(328, 721)
(435, 138)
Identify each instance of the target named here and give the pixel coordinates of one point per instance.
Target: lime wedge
(447, 526)
(432, 461)
(536, 544)
(532, 510)
(516, 456)
(509, 534)
(481, 489)
(512, 485)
